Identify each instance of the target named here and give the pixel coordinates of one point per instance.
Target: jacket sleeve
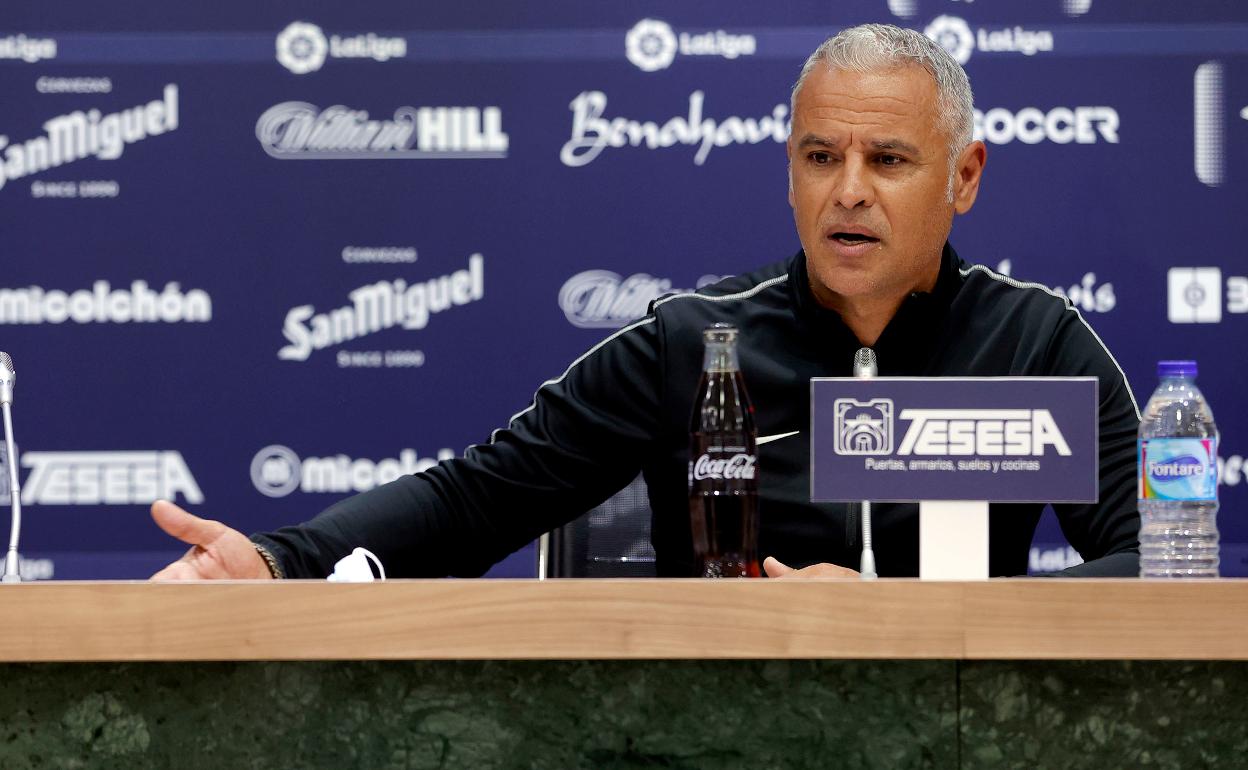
(1105, 533)
(581, 440)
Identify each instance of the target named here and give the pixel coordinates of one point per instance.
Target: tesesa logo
(651, 45)
(302, 47)
(863, 427)
(107, 478)
(956, 36)
(866, 428)
(1195, 295)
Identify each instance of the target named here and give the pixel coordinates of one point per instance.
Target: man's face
(869, 169)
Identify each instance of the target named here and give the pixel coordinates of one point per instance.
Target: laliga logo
(866, 428)
(954, 35)
(650, 45)
(301, 48)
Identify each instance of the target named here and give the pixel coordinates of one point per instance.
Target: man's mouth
(852, 239)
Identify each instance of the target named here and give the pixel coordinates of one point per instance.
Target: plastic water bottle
(1178, 474)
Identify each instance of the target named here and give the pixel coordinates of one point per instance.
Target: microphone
(865, 368)
(8, 377)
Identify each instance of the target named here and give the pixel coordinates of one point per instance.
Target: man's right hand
(217, 552)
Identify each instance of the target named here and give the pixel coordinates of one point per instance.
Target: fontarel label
(1178, 469)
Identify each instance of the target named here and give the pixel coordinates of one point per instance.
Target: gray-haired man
(881, 158)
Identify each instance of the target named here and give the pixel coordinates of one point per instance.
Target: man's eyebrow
(815, 140)
(896, 144)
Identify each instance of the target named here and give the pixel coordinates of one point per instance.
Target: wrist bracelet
(275, 570)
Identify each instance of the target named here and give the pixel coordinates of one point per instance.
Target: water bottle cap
(1176, 369)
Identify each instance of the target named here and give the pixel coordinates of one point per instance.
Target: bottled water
(1178, 474)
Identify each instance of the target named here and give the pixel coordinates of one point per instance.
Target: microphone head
(864, 363)
(8, 377)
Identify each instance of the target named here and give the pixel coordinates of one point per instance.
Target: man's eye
(891, 160)
(820, 158)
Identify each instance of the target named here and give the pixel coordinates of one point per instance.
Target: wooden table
(625, 619)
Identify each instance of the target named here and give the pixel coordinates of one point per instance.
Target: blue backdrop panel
(260, 258)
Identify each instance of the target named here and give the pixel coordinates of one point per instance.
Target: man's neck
(868, 316)
(866, 319)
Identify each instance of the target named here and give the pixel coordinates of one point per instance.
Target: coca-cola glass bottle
(723, 464)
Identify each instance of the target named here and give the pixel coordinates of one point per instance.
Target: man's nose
(853, 184)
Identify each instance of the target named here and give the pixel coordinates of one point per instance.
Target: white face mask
(354, 568)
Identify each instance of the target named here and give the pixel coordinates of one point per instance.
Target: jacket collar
(917, 321)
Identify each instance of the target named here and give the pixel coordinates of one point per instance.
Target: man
(881, 158)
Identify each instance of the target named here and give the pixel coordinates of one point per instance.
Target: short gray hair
(875, 47)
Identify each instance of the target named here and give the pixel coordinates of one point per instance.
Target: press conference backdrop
(256, 258)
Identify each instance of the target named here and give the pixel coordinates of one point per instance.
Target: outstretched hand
(217, 552)
(778, 569)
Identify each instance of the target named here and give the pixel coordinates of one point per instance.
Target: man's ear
(788, 148)
(967, 173)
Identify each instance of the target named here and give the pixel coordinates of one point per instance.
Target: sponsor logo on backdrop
(297, 130)
(303, 47)
(103, 304)
(277, 471)
(1060, 125)
(1088, 295)
(107, 478)
(27, 49)
(1052, 559)
(903, 8)
(384, 255)
(1208, 110)
(1195, 295)
(4, 474)
(1231, 470)
(592, 132)
(88, 134)
(866, 428)
(601, 299)
(50, 85)
(380, 306)
(652, 45)
(961, 40)
(1076, 7)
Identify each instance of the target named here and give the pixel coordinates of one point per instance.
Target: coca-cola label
(739, 466)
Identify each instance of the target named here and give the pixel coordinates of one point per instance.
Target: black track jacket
(624, 407)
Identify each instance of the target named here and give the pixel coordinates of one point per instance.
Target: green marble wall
(624, 714)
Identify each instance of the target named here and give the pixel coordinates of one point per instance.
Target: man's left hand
(777, 569)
